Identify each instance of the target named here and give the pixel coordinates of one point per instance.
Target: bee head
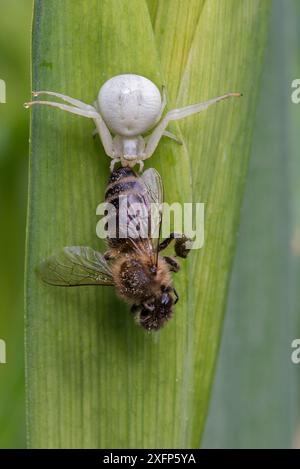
(156, 311)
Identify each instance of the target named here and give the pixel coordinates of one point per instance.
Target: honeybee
(141, 276)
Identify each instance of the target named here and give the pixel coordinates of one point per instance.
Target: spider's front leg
(113, 163)
(75, 106)
(78, 107)
(177, 114)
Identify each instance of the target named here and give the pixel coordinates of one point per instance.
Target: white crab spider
(128, 106)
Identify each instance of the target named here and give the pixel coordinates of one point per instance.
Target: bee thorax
(133, 279)
(137, 280)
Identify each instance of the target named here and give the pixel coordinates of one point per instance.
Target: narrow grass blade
(94, 378)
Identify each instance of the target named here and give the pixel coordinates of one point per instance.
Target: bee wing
(153, 182)
(155, 193)
(75, 266)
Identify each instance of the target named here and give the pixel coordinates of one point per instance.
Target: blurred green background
(256, 396)
(256, 399)
(15, 25)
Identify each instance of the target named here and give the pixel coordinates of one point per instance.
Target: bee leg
(165, 243)
(182, 244)
(174, 265)
(176, 296)
(172, 289)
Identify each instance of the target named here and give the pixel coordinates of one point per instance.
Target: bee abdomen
(123, 181)
(120, 173)
(125, 188)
